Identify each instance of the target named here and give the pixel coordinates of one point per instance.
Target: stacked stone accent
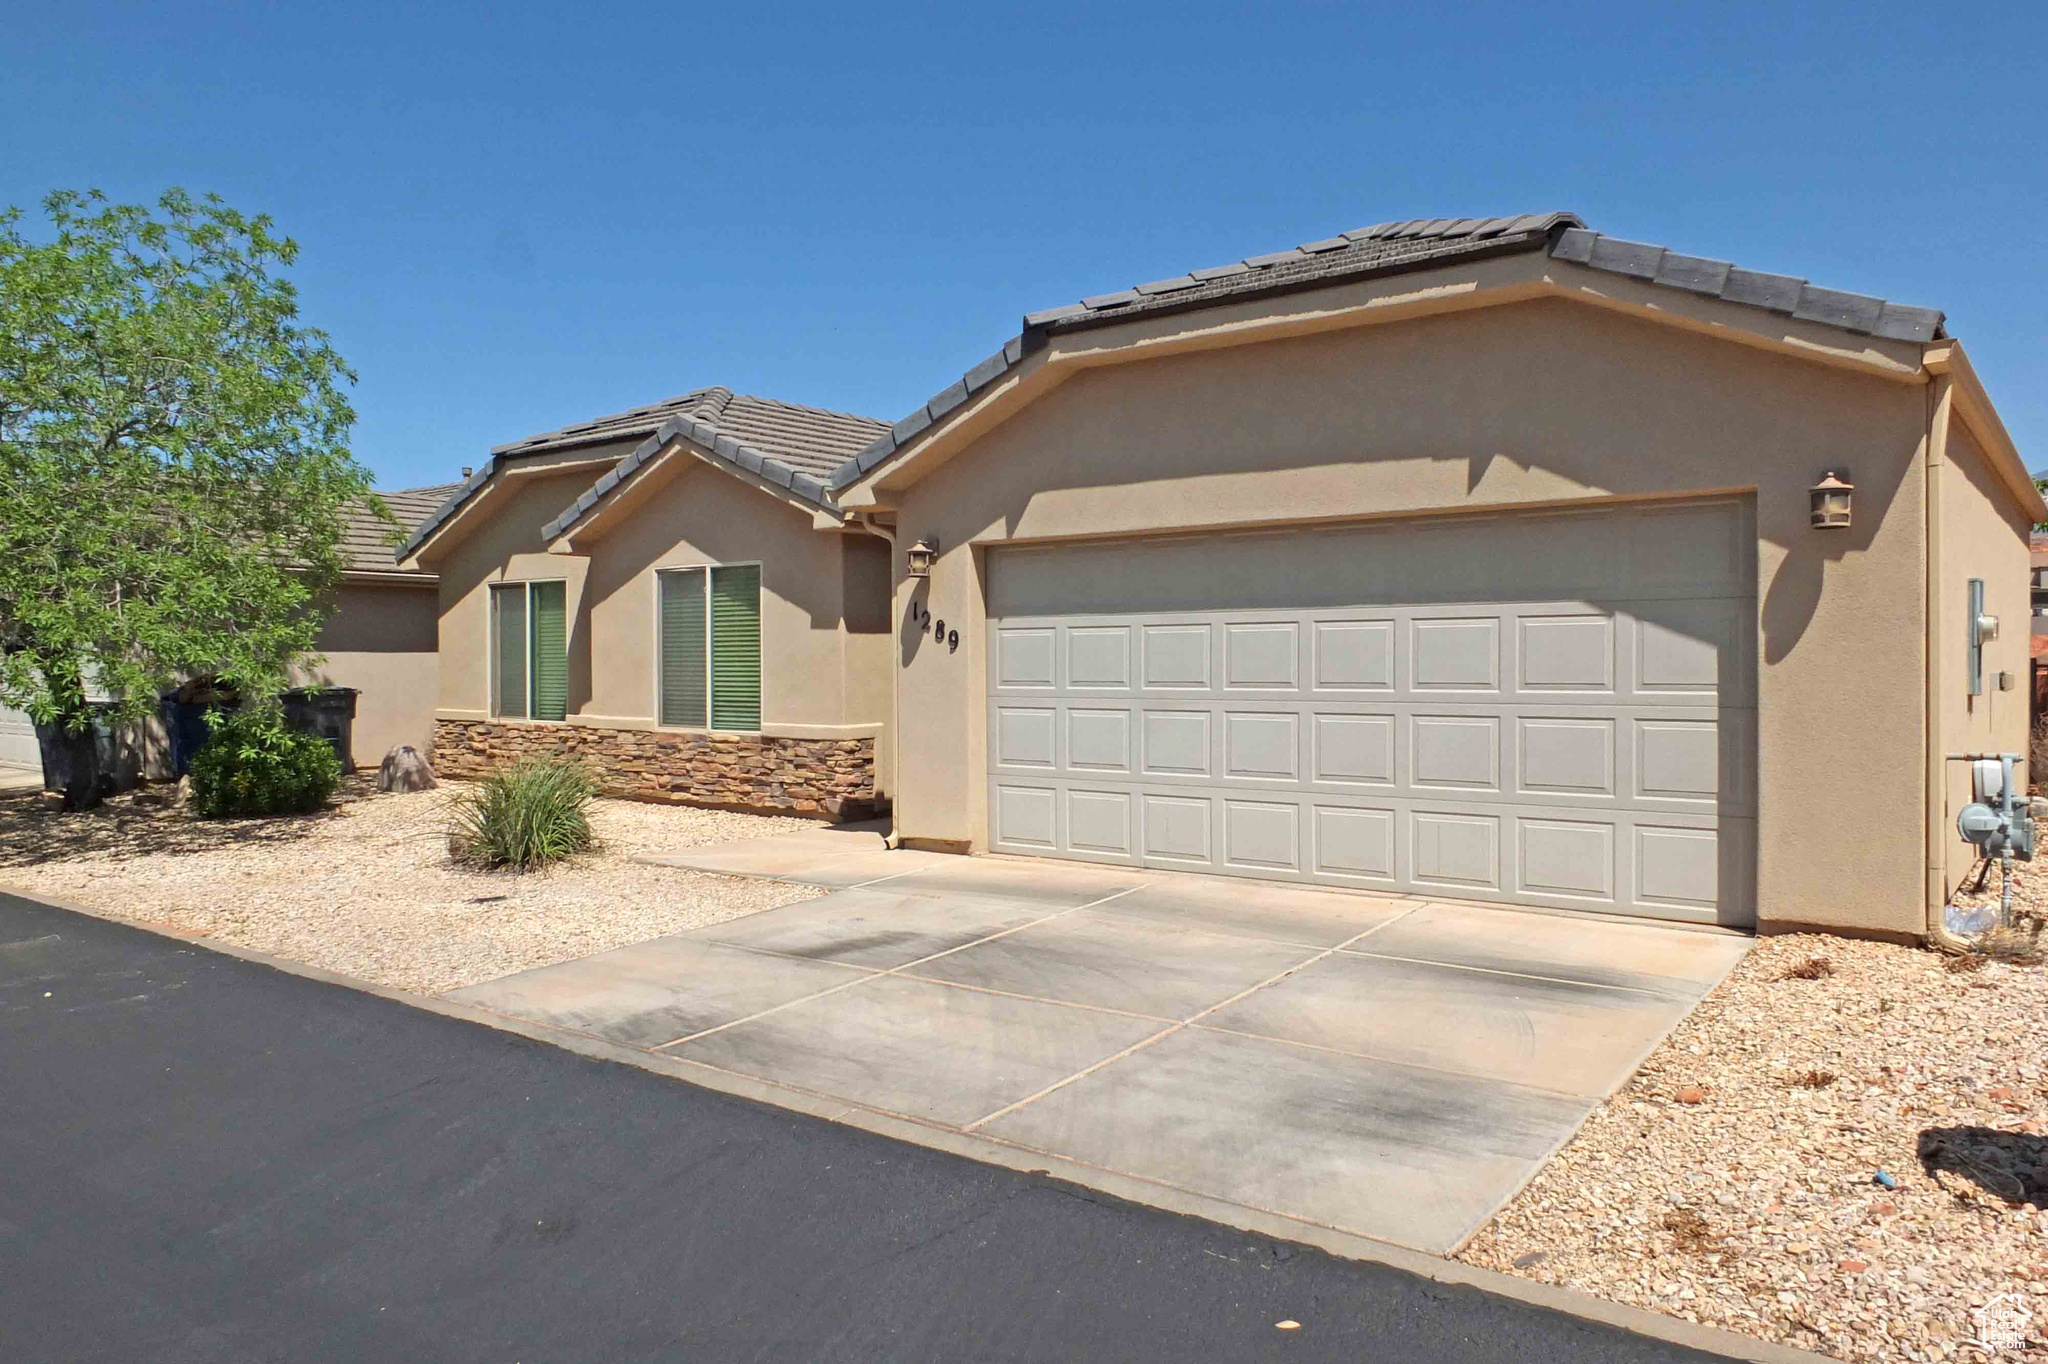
(826, 778)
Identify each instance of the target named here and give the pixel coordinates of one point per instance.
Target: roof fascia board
(1741, 323)
(363, 577)
(1974, 406)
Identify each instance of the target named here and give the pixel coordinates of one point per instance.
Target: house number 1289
(922, 617)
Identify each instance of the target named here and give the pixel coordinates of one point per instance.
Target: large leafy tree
(174, 462)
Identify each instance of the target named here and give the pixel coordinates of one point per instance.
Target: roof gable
(1396, 247)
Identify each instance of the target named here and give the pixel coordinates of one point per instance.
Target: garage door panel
(1454, 848)
(1261, 655)
(1026, 817)
(1099, 657)
(1353, 749)
(1353, 655)
(1569, 858)
(1177, 657)
(1099, 739)
(1177, 829)
(1262, 746)
(1264, 835)
(1027, 736)
(1176, 743)
(1461, 751)
(1454, 655)
(1025, 657)
(1354, 844)
(1100, 822)
(1584, 750)
(1565, 653)
(1564, 756)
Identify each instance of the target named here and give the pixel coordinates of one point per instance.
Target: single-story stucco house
(1471, 557)
(379, 639)
(670, 593)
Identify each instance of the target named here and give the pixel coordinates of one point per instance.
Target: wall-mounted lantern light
(1831, 498)
(921, 555)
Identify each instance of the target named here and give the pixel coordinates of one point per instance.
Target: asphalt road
(203, 1158)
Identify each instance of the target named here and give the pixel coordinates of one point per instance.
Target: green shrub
(252, 765)
(531, 815)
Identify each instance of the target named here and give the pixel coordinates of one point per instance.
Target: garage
(1553, 710)
(18, 751)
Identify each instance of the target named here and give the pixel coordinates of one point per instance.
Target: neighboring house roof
(1395, 247)
(366, 538)
(787, 444)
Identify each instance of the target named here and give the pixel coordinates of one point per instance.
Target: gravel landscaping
(367, 888)
(1734, 1181)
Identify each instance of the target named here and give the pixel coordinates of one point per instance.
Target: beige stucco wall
(1526, 403)
(382, 640)
(1983, 536)
(508, 547)
(825, 656)
(709, 517)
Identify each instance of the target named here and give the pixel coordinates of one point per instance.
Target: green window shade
(682, 648)
(736, 647)
(550, 651)
(508, 638)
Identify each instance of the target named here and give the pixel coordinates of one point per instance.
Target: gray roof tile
(1786, 294)
(367, 545)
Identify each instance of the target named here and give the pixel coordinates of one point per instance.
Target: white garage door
(1554, 710)
(18, 742)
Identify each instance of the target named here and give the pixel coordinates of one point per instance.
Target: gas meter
(1998, 821)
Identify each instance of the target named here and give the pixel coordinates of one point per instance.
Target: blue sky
(519, 216)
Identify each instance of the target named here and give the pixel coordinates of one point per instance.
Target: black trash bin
(329, 712)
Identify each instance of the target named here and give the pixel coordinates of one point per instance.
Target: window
(530, 650)
(711, 646)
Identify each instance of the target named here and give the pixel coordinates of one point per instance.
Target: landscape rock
(403, 769)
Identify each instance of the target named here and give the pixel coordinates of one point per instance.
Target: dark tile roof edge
(709, 438)
(463, 492)
(1527, 232)
(1523, 232)
(1784, 294)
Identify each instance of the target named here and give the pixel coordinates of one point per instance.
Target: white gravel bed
(1732, 1182)
(367, 888)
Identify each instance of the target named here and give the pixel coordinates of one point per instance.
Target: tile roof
(1380, 249)
(1384, 248)
(1861, 313)
(1387, 248)
(788, 444)
(366, 540)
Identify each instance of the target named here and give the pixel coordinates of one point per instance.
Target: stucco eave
(1973, 404)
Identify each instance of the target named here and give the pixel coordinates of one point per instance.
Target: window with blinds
(711, 647)
(508, 650)
(530, 650)
(684, 663)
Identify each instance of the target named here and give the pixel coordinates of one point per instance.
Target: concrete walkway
(1389, 1067)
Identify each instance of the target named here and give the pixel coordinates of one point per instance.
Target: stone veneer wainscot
(826, 778)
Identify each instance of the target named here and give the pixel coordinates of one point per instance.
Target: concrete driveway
(1390, 1067)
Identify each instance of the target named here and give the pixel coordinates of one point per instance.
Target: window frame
(707, 568)
(491, 688)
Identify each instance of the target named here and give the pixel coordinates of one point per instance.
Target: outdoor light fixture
(921, 555)
(1831, 497)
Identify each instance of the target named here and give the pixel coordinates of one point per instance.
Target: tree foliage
(174, 459)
